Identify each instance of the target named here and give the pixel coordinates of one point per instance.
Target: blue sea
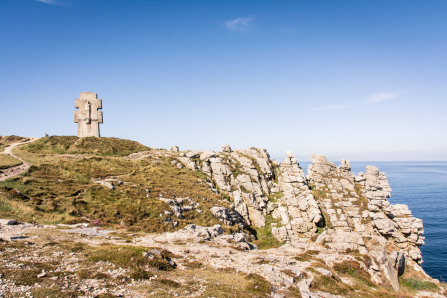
(423, 187)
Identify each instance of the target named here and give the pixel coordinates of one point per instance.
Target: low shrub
(257, 284)
(414, 285)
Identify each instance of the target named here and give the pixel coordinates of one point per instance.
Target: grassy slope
(91, 145)
(7, 140)
(7, 161)
(59, 188)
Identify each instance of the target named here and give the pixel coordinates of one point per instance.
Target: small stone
(8, 222)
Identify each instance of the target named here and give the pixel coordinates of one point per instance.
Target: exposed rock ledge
(331, 210)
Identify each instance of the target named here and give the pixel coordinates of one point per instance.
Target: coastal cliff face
(193, 223)
(331, 210)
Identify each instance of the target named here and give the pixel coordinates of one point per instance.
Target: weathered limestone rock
(226, 148)
(338, 198)
(88, 117)
(240, 240)
(175, 148)
(228, 217)
(297, 208)
(351, 213)
(178, 205)
(391, 220)
(244, 175)
(192, 232)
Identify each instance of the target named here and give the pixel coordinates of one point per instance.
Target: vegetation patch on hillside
(5, 141)
(90, 145)
(7, 161)
(57, 189)
(264, 236)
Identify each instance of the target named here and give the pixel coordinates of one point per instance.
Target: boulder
(227, 216)
(226, 148)
(8, 222)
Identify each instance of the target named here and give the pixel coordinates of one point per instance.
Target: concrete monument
(87, 116)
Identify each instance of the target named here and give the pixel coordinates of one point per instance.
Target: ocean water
(423, 187)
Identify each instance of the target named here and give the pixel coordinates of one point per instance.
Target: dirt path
(14, 171)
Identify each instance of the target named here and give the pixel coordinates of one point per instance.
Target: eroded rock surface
(330, 210)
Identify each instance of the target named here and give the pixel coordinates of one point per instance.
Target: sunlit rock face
(331, 210)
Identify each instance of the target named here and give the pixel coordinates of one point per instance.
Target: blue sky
(361, 80)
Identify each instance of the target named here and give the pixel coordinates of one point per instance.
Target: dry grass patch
(353, 269)
(257, 284)
(414, 285)
(7, 161)
(54, 292)
(127, 257)
(413, 281)
(329, 285)
(264, 236)
(58, 189)
(90, 145)
(193, 264)
(5, 141)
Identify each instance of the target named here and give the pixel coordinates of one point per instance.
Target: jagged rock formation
(330, 210)
(245, 175)
(228, 216)
(391, 220)
(297, 208)
(329, 219)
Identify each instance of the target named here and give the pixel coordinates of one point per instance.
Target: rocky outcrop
(196, 233)
(179, 205)
(335, 186)
(246, 176)
(228, 216)
(192, 232)
(295, 206)
(331, 210)
(356, 209)
(391, 220)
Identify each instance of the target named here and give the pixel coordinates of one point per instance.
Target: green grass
(53, 292)
(415, 285)
(354, 269)
(7, 161)
(329, 285)
(257, 285)
(22, 277)
(5, 141)
(264, 236)
(130, 257)
(275, 196)
(320, 194)
(90, 145)
(58, 189)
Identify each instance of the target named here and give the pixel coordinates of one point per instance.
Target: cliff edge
(280, 232)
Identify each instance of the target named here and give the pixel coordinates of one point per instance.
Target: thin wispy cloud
(239, 24)
(333, 107)
(51, 2)
(380, 97)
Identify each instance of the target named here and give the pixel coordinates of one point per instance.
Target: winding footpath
(16, 170)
